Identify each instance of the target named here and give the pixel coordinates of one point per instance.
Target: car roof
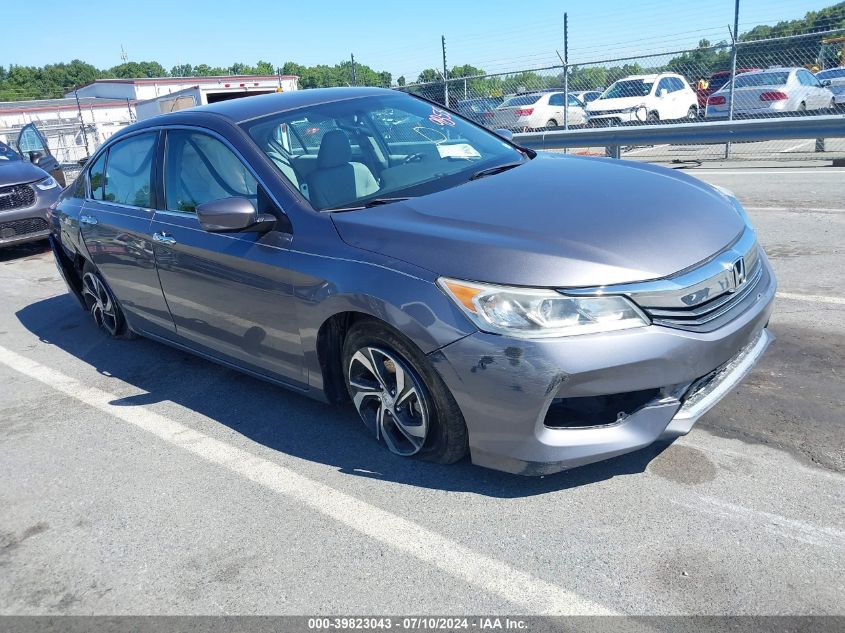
(260, 105)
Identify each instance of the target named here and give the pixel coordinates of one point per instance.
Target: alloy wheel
(390, 399)
(101, 303)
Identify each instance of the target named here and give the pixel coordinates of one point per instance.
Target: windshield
(521, 100)
(345, 153)
(628, 88)
(7, 154)
(749, 80)
(833, 73)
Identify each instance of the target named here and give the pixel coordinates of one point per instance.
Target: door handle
(87, 219)
(164, 238)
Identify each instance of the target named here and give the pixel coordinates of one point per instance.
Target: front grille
(703, 315)
(16, 197)
(17, 228)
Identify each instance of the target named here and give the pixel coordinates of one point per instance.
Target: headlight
(537, 313)
(48, 183)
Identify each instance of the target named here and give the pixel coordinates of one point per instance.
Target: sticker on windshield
(441, 117)
(458, 150)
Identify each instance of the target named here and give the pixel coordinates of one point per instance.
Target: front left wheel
(400, 397)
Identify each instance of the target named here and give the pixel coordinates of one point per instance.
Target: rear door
(115, 227)
(230, 294)
(32, 146)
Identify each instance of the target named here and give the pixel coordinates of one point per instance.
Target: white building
(72, 129)
(75, 128)
(167, 94)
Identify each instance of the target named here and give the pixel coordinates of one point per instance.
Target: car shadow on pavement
(279, 419)
(22, 251)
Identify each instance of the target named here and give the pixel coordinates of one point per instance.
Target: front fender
(407, 300)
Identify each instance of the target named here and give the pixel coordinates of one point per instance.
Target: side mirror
(662, 92)
(232, 214)
(505, 134)
(34, 156)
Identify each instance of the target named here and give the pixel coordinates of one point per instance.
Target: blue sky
(400, 36)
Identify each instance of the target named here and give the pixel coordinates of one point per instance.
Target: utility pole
(445, 73)
(82, 123)
(734, 51)
(354, 80)
(565, 71)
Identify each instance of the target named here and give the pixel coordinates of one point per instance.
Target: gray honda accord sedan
(536, 311)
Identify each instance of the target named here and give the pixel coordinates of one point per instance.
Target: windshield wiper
(494, 170)
(375, 202)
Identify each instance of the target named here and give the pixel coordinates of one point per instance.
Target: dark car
(479, 110)
(27, 189)
(466, 295)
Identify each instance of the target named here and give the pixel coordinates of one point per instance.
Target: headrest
(334, 150)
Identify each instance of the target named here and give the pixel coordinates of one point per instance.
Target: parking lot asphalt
(137, 479)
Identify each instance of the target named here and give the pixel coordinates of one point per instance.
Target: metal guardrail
(818, 127)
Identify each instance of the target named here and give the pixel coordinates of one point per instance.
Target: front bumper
(506, 386)
(28, 224)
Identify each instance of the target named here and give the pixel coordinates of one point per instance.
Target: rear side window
(129, 171)
(199, 168)
(96, 177)
(556, 100)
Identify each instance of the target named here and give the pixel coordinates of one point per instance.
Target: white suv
(662, 97)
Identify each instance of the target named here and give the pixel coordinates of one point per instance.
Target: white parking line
(794, 147)
(798, 208)
(532, 594)
(775, 171)
(839, 301)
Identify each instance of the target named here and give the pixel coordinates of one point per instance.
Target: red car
(717, 80)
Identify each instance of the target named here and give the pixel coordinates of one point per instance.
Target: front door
(33, 147)
(230, 294)
(115, 225)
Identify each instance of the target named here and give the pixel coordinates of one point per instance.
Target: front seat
(337, 180)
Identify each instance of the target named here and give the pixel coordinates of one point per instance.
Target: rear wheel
(652, 117)
(551, 123)
(400, 397)
(102, 304)
(692, 113)
(802, 107)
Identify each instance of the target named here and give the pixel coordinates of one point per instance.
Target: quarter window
(129, 171)
(96, 177)
(199, 168)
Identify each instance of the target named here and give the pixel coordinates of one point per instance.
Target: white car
(836, 79)
(663, 97)
(770, 91)
(537, 110)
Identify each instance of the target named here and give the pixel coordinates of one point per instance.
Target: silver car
(770, 92)
(834, 78)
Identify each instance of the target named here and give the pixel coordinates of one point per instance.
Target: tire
(692, 113)
(102, 305)
(802, 108)
(422, 420)
(551, 123)
(652, 117)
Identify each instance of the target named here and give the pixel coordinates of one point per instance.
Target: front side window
(129, 169)
(199, 168)
(384, 146)
(628, 88)
(574, 102)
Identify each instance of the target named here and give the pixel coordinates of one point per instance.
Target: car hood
(555, 221)
(600, 105)
(17, 172)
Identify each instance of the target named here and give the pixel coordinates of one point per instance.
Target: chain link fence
(801, 75)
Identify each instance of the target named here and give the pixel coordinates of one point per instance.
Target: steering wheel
(412, 158)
